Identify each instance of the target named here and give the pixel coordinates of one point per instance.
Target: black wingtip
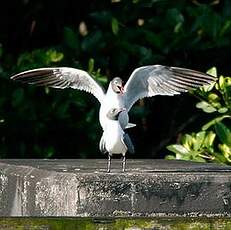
(30, 75)
(194, 73)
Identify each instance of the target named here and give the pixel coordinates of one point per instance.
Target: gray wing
(62, 77)
(127, 141)
(148, 81)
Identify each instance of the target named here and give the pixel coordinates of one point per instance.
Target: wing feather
(62, 77)
(148, 81)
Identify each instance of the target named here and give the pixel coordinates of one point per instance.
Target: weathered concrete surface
(83, 188)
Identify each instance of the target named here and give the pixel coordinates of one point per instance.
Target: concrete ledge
(82, 188)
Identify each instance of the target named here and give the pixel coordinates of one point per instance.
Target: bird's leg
(109, 163)
(123, 163)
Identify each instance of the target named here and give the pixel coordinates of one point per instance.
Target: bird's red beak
(122, 109)
(121, 88)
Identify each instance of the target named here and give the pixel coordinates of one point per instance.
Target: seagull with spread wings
(145, 81)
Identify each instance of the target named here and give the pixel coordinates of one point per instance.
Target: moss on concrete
(114, 223)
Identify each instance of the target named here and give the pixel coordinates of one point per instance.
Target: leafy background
(108, 39)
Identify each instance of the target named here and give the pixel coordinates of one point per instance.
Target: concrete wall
(83, 188)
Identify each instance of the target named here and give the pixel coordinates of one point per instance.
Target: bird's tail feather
(130, 125)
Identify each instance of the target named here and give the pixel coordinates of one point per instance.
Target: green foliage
(37, 116)
(116, 37)
(56, 223)
(38, 58)
(213, 142)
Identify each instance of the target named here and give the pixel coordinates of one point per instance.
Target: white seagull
(145, 81)
(114, 140)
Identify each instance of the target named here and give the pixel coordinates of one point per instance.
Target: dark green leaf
(223, 132)
(17, 97)
(115, 26)
(93, 41)
(71, 39)
(1, 50)
(214, 121)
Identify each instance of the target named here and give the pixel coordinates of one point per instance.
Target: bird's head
(113, 114)
(117, 85)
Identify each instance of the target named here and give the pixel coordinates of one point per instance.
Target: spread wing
(148, 81)
(62, 77)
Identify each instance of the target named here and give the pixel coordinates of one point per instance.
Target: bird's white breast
(113, 138)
